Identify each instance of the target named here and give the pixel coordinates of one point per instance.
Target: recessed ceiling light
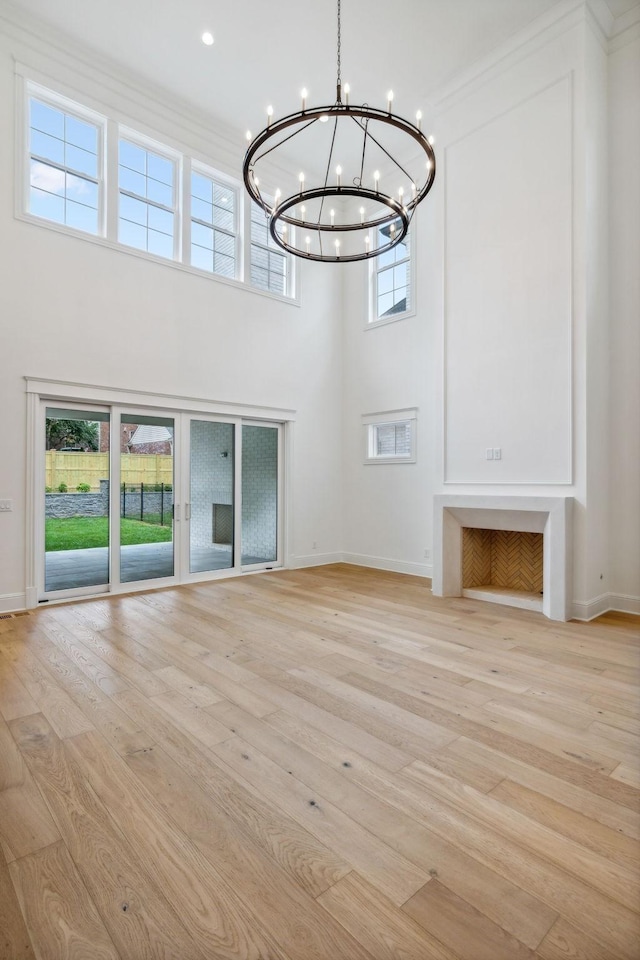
(207, 38)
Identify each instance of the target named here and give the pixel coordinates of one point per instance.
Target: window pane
(160, 244)
(160, 168)
(132, 156)
(400, 276)
(161, 220)
(223, 218)
(385, 281)
(224, 244)
(259, 277)
(47, 178)
(277, 264)
(81, 160)
(133, 182)
(81, 217)
(385, 304)
(201, 258)
(201, 187)
(46, 205)
(132, 234)
(260, 257)
(160, 193)
(47, 119)
(203, 236)
(83, 191)
(225, 265)
(224, 197)
(81, 134)
(201, 210)
(134, 210)
(50, 148)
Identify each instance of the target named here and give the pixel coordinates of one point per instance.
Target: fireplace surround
(550, 516)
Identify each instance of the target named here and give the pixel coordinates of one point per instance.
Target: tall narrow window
(269, 264)
(148, 209)
(392, 278)
(214, 225)
(64, 159)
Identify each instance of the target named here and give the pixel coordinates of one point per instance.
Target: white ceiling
(264, 53)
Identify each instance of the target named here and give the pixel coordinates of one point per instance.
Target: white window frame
(371, 422)
(220, 179)
(176, 159)
(373, 320)
(290, 286)
(33, 90)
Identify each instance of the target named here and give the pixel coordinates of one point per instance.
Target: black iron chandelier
(355, 212)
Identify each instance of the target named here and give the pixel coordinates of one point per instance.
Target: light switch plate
(6, 506)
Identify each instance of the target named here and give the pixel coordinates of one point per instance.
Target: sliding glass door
(149, 498)
(260, 494)
(146, 487)
(209, 513)
(76, 499)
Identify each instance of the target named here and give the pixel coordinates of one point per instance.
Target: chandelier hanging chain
(339, 77)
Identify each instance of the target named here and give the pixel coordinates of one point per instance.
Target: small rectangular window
(391, 278)
(214, 225)
(65, 177)
(269, 263)
(391, 438)
(148, 210)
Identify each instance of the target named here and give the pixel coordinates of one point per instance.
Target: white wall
(509, 347)
(77, 311)
(624, 229)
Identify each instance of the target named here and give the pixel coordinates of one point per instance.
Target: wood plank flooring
(324, 764)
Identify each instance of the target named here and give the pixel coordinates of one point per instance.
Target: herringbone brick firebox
(502, 558)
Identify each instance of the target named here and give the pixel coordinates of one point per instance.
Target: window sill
(384, 321)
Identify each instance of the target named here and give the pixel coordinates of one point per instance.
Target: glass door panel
(259, 494)
(76, 507)
(211, 509)
(146, 497)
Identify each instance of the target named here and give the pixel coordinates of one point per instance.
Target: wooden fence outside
(74, 468)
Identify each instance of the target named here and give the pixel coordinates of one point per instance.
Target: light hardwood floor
(325, 764)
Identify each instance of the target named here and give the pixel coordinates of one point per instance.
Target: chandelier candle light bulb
(338, 173)
(269, 115)
(389, 100)
(347, 91)
(304, 94)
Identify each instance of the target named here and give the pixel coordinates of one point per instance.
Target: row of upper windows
(167, 207)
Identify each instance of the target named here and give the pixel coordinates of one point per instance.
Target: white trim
(605, 603)
(314, 560)
(374, 271)
(12, 602)
(409, 567)
(90, 393)
(567, 78)
(371, 421)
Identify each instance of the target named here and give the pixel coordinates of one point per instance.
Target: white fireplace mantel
(550, 516)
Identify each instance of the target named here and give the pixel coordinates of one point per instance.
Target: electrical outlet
(314, 545)
(427, 554)
(489, 453)
(6, 506)
(497, 453)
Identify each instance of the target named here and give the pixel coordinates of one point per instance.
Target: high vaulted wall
(77, 311)
(525, 336)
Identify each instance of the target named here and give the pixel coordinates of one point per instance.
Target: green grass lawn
(79, 533)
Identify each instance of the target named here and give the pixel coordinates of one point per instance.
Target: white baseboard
(622, 603)
(382, 563)
(314, 560)
(10, 602)
(591, 609)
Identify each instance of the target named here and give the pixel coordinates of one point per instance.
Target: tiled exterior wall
(211, 475)
(259, 492)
